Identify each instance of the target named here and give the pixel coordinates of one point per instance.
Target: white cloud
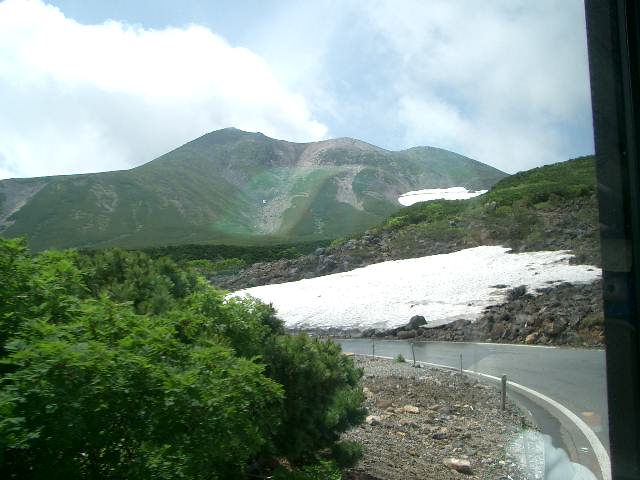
(502, 81)
(80, 98)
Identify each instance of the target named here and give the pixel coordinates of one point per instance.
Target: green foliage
(565, 180)
(153, 285)
(322, 395)
(337, 242)
(113, 394)
(592, 320)
(346, 454)
(237, 256)
(122, 366)
(399, 359)
(323, 470)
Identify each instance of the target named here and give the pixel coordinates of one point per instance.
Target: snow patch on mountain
(453, 193)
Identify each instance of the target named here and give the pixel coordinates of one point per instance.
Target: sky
(88, 85)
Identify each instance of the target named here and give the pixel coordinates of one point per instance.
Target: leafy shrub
(117, 365)
(592, 319)
(321, 471)
(399, 359)
(337, 242)
(114, 394)
(322, 396)
(346, 454)
(249, 254)
(153, 285)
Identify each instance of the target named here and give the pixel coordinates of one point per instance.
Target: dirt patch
(426, 422)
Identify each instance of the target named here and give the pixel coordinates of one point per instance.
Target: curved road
(574, 377)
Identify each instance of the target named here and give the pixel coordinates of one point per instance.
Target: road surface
(573, 377)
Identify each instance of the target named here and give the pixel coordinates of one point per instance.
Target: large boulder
(415, 322)
(406, 334)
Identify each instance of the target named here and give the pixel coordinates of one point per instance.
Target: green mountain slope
(231, 186)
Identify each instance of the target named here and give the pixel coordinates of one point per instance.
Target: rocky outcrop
(558, 315)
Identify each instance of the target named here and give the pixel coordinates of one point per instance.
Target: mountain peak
(231, 186)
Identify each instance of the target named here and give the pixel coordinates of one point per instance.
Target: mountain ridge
(231, 186)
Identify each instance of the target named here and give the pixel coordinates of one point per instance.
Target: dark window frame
(613, 33)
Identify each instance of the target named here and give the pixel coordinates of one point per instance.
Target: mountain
(231, 186)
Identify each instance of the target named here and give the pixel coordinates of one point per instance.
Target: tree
(119, 366)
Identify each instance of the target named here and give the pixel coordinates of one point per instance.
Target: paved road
(573, 377)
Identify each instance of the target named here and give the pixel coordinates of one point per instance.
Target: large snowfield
(442, 288)
(453, 193)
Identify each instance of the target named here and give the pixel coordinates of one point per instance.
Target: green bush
(321, 471)
(592, 319)
(122, 366)
(346, 454)
(399, 359)
(116, 395)
(322, 398)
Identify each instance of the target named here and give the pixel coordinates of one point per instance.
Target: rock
(410, 409)
(350, 245)
(384, 404)
(497, 331)
(416, 321)
(554, 327)
(517, 292)
(524, 319)
(531, 338)
(367, 392)
(441, 433)
(459, 465)
(408, 423)
(403, 335)
(370, 332)
(373, 420)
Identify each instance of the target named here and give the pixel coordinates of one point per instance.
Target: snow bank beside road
(442, 288)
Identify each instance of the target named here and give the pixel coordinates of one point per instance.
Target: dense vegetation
(248, 254)
(118, 365)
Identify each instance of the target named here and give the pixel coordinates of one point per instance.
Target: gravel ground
(428, 423)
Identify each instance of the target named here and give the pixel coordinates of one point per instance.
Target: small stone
(531, 338)
(459, 465)
(384, 404)
(440, 434)
(373, 420)
(410, 409)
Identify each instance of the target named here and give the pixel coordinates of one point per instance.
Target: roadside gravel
(429, 423)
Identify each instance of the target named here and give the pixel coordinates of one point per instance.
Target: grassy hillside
(537, 209)
(231, 187)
